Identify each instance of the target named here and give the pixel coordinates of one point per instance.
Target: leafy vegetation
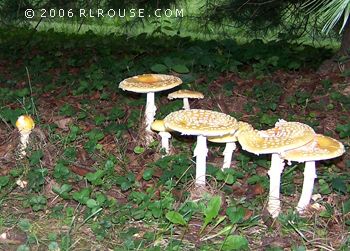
(92, 183)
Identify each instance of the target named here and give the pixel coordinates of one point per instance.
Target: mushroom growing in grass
(201, 123)
(158, 126)
(185, 95)
(25, 124)
(284, 136)
(149, 83)
(321, 148)
(230, 141)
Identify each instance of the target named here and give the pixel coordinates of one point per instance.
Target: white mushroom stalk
(186, 104)
(200, 152)
(25, 125)
(276, 169)
(228, 152)
(165, 141)
(308, 185)
(150, 112)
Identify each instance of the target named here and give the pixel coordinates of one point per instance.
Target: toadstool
(158, 125)
(230, 142)
(201, 123)
(284, 136)
(149, 83)
(321, 148)
(185, 95)
(25, 125)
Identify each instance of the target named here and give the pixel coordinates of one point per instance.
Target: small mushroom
(25, 125)
(201, 123)
(284, 136)
(158, 126)
(321, 148)
(185, 95)
(149, 83)
(230, 142)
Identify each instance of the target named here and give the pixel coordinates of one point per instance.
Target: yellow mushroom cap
(25, 123)
(321, 148)
(150, 83)
(284, 136)
(158, 125)
(185, 94)
(201, 122)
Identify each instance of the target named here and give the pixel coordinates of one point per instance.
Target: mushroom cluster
(286, 141)
(292, 141)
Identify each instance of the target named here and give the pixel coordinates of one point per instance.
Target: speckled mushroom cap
(321, 148)
(25, 123)
(185, 94)
(284, 136)
(149, 83)
(201, 122)
(242, 126)
(158, 126)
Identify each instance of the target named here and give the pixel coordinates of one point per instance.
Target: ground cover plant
(89, 182)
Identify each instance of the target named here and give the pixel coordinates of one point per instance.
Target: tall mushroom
(149, 83)
(321, 148)
(230, 142)
(158, 126)
(25, 125)
(201, 123)
(185, 95)
(284, 136)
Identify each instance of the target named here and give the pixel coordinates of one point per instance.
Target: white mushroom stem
(23, 143)
(165, 140)
(308, 185)
(200, 152)
(149, 116)
(186, 104)
(230, 147)
(274, 204)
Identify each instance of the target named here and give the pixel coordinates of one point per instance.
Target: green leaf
(180, 68)
(24, 225)
(212, 210)
(139, 150)
(175, 218)
(23, 247)
(91, 203)
(4, 180)
(147, 174)
(159, 68)
(235, 242)
(82, 195)
(235, 214)
(346, 207)
(96, 177)
(339, 185)
(35, 157)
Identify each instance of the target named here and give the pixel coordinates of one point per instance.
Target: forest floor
(88, 182)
